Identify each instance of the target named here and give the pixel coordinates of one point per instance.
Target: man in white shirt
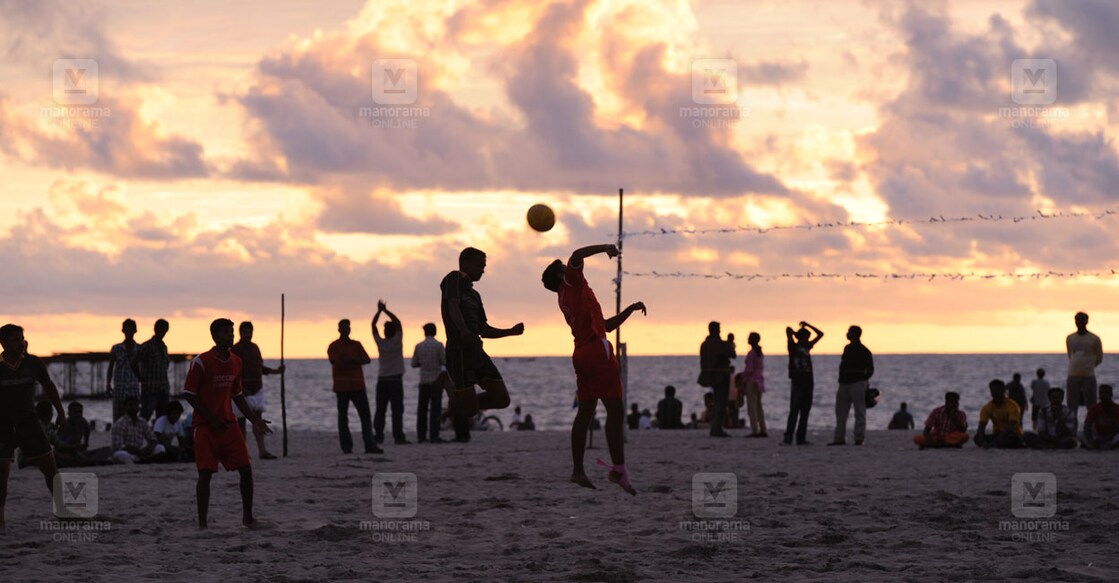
(431, 358)
(1085, 353)
(390, 376)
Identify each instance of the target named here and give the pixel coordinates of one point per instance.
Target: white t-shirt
(645, 422)
(1084, 352)
(164, 426)
(390, 359)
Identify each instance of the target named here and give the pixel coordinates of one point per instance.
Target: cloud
(548, 134)
(373, 213)
(37, 33)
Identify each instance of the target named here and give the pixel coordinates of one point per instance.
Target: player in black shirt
(464, 319)
(19, 426)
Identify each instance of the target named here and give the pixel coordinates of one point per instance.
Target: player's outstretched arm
(613, 323)
(582, 253)
(491, 332)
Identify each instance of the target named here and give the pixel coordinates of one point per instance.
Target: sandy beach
(500, 509)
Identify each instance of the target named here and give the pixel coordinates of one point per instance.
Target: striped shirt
(430, 357)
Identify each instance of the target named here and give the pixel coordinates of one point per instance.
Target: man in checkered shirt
(150, 366)
(431, 358)
(133, 440)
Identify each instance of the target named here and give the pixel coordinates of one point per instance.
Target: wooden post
(283, 387)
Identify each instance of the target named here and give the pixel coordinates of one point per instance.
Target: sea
(545, 387)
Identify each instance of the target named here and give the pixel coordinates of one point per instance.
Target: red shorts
(596, 371)
(227, 446)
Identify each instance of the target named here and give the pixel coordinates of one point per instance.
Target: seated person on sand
(1056, 425)
(1004, 416)
(170, 428)
(669, 410)
(65, 455)
(646, 420)
(75, 430)
(1101, 426)
(902, 419)
(946, 425)
(133, 439)
(516, 420)
(528, 424)
(633, 420)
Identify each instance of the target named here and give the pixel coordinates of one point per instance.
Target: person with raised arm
(800, 345)
(597, 375)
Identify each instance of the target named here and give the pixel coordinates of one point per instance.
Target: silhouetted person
(670, 410)
(752, 383)
(1039, 394)
(252, 383)
(150, 364)
(946, 426)
(390, 376)
(466, 323)
(121, 381)
(597, 374)
(902, 419)
(431, 358)
(213, 385)
(528, 424)
(1101, 424)
(633, 420)
(1004, 416)
(1056, 425)
(19, 426)
(1017, 392)
(715, 372)
(855, 369)
(347, 356)
(801, 378)
(1085, 353)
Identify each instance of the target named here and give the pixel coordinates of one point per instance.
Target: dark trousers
(428, 411)
(154, 401)
(719, 408)
(800, 403)
(462, 428)
(390, 391)
(361, 403)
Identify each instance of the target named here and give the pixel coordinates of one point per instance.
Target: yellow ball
(541, 217)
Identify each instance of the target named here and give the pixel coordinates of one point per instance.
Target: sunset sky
(232, 162)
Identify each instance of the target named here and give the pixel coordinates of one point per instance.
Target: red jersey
(580, 308)
(348, 378)
(215, 382)
(252, 365)
(1105, 418)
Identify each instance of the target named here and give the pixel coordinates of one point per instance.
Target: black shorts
(468, 365)
(26, 434)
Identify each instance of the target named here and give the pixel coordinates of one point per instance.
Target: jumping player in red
(213, 383)
(596, 367)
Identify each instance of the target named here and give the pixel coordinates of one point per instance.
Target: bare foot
(582, 480)
(621, 480)
(202, 526)
(254, 524)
